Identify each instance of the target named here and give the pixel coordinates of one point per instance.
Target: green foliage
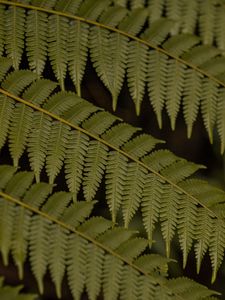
(61, 133)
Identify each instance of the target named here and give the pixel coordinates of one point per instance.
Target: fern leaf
(20, 236)
(14, 33)
(6, 173)
(5, 65)
(6, 228)
(17, 81)
(216, 66)
(79, 112)
(113, 15)
(158, 31)
(43, 3)
(146, 288)
(187, 221)
(168, 215)
(155, 9)
(206, 22)
(95, 226)
(175, 84)
(152, 194)
(204, 227)
(180, 170)
(19, 183)
(140, 145)
(221, 120)
(132, 248)
(112, 271)
(219, 30)
(38, 142)
(173, 12)
(99, 122)
(76, 265)
(119, 134)
(200, 54)
(208, 105)
(185, 287)
(77, 146)
(216, 246)
(6, 107)
(129, 287)
(36, 40)
(77, 52)
(191, 98)
(39, 249)
(100, 54)
(56, 149)
(115, 173)
(56, 204)
(133, 23)
(19, 130)
(108, 54)
(92, 10)
(37, 194)
(137, 4)
(58, 33)
(189, 16)
(136, 72)
(113, 238)
(57, 258)
(118, 46)
(153, 263)
(70, 6)
(77, 213)
(95, 260)
(160, 159)
(94, 168)
(134, 183)
(181, 43)
(157, 75)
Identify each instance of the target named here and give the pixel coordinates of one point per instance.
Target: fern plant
(61, 135)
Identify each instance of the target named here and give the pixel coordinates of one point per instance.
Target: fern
(136, 175)
(153, 52)
(95, 250)
(152, 45)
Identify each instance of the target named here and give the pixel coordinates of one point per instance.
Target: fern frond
(191, 98)
(14, 34)
(136, 72)
(180, 43)
(189, 12)
(77, 52)
(36, 40)
(157, 82)
(206, 21)
(58, 33)
(84, 253)
(163, 176)
(109, 47)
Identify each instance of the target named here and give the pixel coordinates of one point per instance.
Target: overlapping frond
(58, 235)
(167, 58)
(95, 148)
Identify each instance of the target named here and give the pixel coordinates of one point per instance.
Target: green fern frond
(129, 162)
(115, 32)
(76, 247)
(136, 176)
